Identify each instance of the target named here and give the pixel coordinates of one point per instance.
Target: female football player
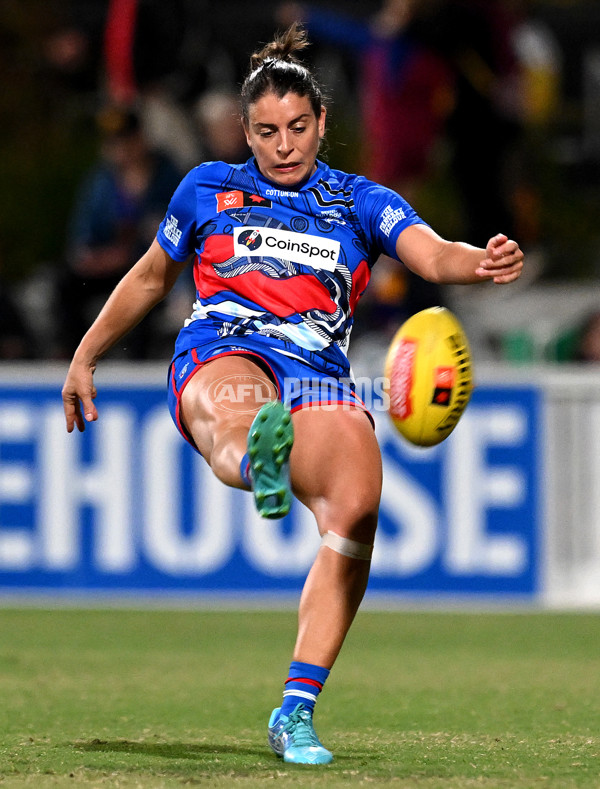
(283, 250)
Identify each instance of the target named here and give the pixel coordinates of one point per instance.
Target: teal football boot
(294, 739)
(270, 442)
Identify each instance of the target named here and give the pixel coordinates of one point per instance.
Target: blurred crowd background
(484, 114)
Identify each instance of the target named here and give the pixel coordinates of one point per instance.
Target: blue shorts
(298, 384)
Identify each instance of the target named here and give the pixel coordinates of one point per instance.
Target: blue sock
(245, 470)
(303, 685)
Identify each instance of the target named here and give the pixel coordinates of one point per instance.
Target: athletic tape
(351, 548)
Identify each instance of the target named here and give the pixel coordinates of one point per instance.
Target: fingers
(504, 261)
(78, 395)
(75, 418)
(509, 276)
(89, 411)
(72, 418)
(510, 267)
(500, 247)
(496, 241)
(74, 415)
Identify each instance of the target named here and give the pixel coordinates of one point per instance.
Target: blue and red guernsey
(289, 265)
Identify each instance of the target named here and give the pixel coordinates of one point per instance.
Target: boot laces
(299, 725)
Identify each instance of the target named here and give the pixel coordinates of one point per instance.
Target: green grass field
(181, 698)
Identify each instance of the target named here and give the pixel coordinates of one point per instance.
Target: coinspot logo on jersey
(308, 250)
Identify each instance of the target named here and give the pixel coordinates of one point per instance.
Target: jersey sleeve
(383, 215)
(177, 232)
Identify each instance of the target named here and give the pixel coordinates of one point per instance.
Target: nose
(285, 146)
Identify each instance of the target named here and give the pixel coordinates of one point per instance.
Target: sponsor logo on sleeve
(300, 248)
(390, 218)
(172, 231)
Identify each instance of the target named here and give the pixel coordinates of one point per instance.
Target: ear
(321, 122)
(246, 132)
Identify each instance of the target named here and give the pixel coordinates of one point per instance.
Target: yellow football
(428, 376)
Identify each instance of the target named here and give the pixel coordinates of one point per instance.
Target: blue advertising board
(127, 507)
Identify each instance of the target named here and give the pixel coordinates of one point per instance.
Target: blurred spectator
(170, 128)
(127, 52)
(217, 114)
(540, 64)
(405, 87)
(69, 54)
(115, 217)
(72, 46)
(540, 59)
(475, 39)
(143, 40)
(406, 94)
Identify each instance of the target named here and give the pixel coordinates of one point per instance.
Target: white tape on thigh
(351, 548)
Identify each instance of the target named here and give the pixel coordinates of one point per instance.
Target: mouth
(288, 167)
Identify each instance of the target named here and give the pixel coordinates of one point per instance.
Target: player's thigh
(336, 469)
(224, 394)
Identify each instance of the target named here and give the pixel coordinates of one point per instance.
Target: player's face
(284, 136)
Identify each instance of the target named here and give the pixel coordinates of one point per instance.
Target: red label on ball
(401, 379)
(443, 383)
(444, 377)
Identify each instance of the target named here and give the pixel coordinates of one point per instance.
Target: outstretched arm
(456, 263)
(144, 285)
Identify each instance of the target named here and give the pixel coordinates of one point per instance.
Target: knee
(354, 516)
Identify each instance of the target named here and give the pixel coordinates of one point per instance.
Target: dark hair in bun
(276, 69)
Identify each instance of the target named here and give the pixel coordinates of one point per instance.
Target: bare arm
(144, 285)
(456, 263)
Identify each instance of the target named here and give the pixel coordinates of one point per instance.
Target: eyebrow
(274, 125)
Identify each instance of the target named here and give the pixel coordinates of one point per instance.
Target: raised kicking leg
(230, 408)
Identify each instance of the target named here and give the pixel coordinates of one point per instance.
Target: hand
(78, 391)
(503, 262)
